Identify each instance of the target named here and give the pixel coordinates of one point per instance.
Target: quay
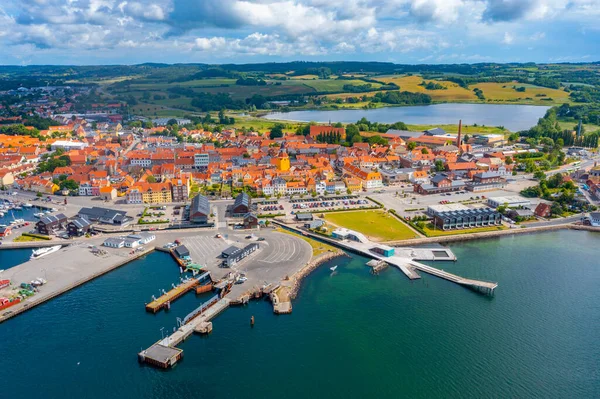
(164, 301)
(68, 268)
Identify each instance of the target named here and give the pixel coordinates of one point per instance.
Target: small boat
(18, 208)
(38, 253)
(333, 268)
(39, 215)
(27, 205)
(4, 283)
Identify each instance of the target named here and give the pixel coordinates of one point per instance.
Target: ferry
(38, 253)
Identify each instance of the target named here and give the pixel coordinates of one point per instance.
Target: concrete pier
(405, 260)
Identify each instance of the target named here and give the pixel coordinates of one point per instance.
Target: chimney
(458, 142)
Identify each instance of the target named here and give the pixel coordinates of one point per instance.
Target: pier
(405, 259)
(164, 301)
(164, 353)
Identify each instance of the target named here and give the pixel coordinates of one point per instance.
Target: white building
(68, 145)
(201, 160)
(510, 201)
(114, 242)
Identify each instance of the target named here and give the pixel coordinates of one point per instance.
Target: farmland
(453, 91)
(506, 92)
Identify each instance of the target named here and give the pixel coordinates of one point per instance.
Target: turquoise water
(351, 334)
(514, 117)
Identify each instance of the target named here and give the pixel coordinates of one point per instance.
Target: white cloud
(508, 38)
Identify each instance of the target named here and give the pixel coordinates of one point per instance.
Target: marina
(421, 321)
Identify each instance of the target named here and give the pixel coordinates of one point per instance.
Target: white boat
(28, 205)
(39, 215)
(18, 208)
(333, 268)
(38, 253)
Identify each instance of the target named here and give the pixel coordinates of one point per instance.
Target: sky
(86, 32)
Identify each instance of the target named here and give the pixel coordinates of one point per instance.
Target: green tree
(439, 165)
(276, 131)
(411, 145)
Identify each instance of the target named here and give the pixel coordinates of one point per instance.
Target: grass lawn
(377, 225)
(27, 239)
(429, 232)
(317, 246)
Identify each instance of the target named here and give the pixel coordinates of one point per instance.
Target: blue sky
(238, 31)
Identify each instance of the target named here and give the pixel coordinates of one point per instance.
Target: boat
(28, 205)
(333, 268)
(38, 253)
(39, 215)
(4, 283)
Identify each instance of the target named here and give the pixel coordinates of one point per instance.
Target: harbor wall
(33, 302)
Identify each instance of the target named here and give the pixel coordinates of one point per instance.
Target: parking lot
(279, 254)
(416, 204)
(299, 205)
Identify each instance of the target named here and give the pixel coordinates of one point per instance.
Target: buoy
(252, 321)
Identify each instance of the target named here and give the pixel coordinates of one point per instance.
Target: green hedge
(375, 201)
(40, 236)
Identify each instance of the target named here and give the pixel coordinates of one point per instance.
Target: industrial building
(199, 209)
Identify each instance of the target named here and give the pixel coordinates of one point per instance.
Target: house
(181, 252)
(108, 193)
(226, 253)
(78, 227)
(241, 205)
(51, 223)
(304, 217)
(199, 209)
(543, 210)
(594, 219)
(105, 215)
(470, 218)
(440, 183)
(143, 238)
(236, 256)
(485, 181)
(314, 224)
(5, 231)
(519, 214)
(114, 242)
(250, 220)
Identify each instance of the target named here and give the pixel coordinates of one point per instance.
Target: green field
(337, 85)
(377, 225)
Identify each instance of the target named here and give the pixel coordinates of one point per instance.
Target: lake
(351, 334)
(513, 117)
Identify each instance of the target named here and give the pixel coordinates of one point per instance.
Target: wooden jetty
(175, 293)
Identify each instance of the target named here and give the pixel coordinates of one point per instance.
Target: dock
(161, 356)
(199, 321)
(164, 301)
